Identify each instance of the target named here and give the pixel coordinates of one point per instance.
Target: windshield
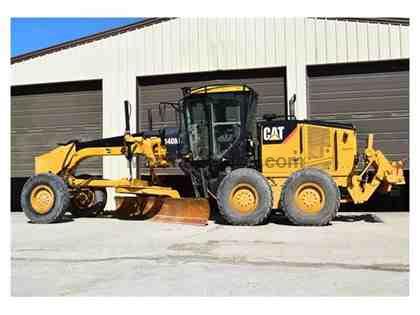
(197, 127)
(226, 120)
(213, 123)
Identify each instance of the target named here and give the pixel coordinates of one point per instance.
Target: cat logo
(273, 133)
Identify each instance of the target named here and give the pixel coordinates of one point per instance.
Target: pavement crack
(236, 260)
(34, 250)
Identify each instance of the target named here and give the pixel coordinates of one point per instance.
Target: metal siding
(351, 35)
(395, 41)
(40, 121)
(241, 39)
(150, 51)
(384, 43)
(196, 61)
(212, 38)
(300, 67)
(230, 47)
(341, 37)
(270, 41)
(375, 102)
(191, 44)
(373, 43)
(250, 43)
(331, 36)
(260, 40)
(321, 42)
(158, 48)
(362, 40)
(310, 41)
(281, 37)
(186, 50)
(290, 54)
(405, 48)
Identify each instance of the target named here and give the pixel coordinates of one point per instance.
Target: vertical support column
(114, 93)
(301, 91)
(296, 64)
(119, 84)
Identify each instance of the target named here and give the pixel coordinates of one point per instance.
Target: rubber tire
(331, 191)
(61, 198)
(261, 185)
(95, 210)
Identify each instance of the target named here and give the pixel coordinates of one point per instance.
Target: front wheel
(244, 197)
(45, 198)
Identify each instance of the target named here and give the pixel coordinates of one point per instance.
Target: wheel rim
(244, 198)
(42, 199)
(310, 198)
(84, 199)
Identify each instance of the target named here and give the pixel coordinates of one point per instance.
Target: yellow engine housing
(300, 144)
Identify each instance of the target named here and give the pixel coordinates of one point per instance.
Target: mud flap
(194, 211)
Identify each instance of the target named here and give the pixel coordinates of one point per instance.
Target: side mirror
(186, 91)
(269, 117)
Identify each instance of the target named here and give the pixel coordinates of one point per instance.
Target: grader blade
(194, 211)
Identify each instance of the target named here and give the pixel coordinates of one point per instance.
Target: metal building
(350, 70)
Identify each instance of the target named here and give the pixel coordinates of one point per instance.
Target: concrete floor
(105, 256)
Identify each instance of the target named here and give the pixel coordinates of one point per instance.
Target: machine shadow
(281, 219)
(277, 217)
(65, 219)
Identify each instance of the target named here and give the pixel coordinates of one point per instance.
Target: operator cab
(217, 122)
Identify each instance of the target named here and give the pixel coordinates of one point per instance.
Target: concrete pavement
(104, 256)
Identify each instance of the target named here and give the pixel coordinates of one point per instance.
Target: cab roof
(221, 88)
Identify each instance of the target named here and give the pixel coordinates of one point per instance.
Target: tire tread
(329, 216)
(62, 198)
(256, 220)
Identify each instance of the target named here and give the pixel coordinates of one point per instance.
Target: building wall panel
(404, 37)
(362, 42)
(395, 41)
(341, 36)
(384, 42)
(200, 44)
(321, 42)
(373, 41)
(331, 38)
(310, 41)
(351, 42)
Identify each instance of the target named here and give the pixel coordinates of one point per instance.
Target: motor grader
(305, 168)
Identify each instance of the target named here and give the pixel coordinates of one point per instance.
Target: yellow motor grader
(305, 168)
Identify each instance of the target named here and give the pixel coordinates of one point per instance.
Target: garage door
(372, 96)
(58, 114)
(269, 84)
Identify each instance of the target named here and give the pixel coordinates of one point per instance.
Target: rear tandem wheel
(310, 197)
